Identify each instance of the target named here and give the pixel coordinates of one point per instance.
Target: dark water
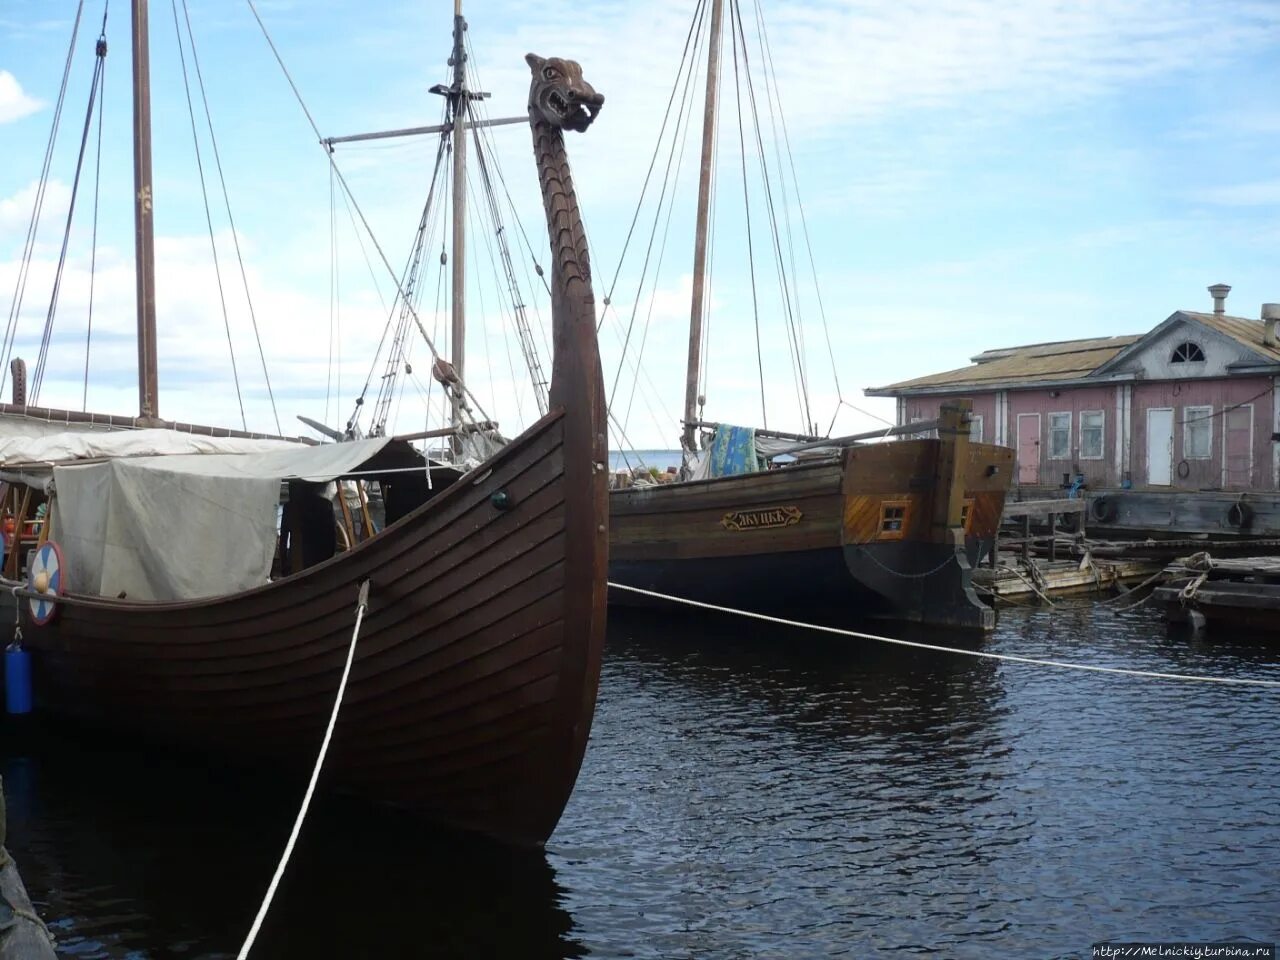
(747, 793)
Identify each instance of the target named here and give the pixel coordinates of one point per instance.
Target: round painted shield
(46, 576)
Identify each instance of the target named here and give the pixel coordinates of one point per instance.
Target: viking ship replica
(147, 600)
(845, 524)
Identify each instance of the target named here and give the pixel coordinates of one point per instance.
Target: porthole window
(1187, 353)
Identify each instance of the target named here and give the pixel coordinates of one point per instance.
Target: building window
(1091, 426)
(975, 428)
(966, 514)
(1059, 436)
(924, 434)
(1187, 353)
(1197, 432)
(893, 519)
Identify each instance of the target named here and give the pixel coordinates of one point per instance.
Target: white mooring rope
(361, 606)
(1034, 661)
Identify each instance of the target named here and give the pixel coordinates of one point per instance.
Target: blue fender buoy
(17, 680)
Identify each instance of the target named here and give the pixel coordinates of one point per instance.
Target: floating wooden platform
(1018, 580)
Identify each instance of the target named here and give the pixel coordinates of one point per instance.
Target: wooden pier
(1056, 514)
(1043, 552)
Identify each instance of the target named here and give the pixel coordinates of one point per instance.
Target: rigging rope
(667, 184)
(653, 293)
(101, 51)
(362, 605)
(804, 222)
(208, 217)
(226, 199)
(938, 648)
(694, 30)
(795, 331)
(28, 247)
(517, 383)
(333, 304)
(670, 180)
(350, 197)
(488, 159)
(46, 338)
(746, 200)
(396, 356)
(518, 315)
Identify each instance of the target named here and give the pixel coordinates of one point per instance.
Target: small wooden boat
(474, 679)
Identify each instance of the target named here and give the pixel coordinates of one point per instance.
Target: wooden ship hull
(475, 673)
(475, 670)
(825, 536)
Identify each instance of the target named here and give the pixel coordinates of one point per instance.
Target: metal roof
(1240, 329)
(1064, 360)
(1067, 359)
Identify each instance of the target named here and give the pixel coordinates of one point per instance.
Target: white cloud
(14, 102)
(196, 379)
(1256, 194)
(15, 210)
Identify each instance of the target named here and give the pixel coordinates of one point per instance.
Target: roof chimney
(1270, 317)
(1219, 293)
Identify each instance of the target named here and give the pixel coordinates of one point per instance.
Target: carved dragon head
(559, 96)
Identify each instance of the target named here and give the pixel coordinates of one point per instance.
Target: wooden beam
(1042, 509)
(115, 421)
(420, 131)
(444, 431)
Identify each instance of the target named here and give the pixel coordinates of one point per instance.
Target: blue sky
(974, 175)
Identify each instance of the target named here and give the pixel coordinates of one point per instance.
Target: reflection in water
(147, 856)
(749, 791)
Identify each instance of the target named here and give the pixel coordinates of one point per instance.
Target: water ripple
(748, 792)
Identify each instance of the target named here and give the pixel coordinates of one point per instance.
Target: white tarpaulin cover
(43, 447)
(184, 526)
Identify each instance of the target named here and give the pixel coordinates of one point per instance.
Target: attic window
(1187, 353)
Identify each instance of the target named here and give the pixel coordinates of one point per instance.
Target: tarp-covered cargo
(186, 525)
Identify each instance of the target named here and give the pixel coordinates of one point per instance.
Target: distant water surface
(747, 793)
(658, 459)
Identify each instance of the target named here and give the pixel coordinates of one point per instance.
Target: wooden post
(953, 457)
(144, 226)
(48, 523)
(687, 442)
(347, 523)
(458, 334)
(364, 508)
(13, 565)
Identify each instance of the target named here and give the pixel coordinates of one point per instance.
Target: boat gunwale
(472, 477)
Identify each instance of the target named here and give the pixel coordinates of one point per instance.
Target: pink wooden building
(1191, 404)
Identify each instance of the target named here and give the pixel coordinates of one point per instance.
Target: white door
(1160, 446)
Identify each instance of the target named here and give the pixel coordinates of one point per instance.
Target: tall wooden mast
(687, 441)
(144, 233)
(459, 96)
